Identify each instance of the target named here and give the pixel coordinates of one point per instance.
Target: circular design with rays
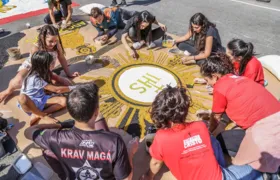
(128, 87)
(138, 84)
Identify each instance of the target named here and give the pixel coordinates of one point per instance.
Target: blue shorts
(39, 103)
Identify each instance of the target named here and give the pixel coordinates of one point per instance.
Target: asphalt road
(250, 20)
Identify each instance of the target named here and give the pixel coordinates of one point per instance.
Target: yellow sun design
(125, 92)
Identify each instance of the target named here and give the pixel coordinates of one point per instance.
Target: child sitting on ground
(33, 100)
(48, 40)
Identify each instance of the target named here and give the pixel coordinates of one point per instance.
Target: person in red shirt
(245, 63)
(246, 103)
(185, 147)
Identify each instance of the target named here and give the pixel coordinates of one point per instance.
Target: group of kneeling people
(89, 149)
(189, 149)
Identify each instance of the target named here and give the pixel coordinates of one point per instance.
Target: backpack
(3, 124)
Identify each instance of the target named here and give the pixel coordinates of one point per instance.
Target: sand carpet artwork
(127, 86)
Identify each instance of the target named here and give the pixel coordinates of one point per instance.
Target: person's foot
(4, 95)
(151, 45)
(50, 119)
(123, 3)
(199, 81)
(114, 3)
(34, 119)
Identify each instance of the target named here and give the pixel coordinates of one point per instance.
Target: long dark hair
(218, 63)
(200, 38)
(144, 16)
(41, 62)
(48, 30)
(55, 4)
(243, 49)
(171, 104)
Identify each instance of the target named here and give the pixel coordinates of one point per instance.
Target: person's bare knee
(16, 82)
(62, 101)
(22, 99)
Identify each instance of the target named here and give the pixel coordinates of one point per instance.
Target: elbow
(206, 55)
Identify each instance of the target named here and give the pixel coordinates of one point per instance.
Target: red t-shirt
(187, 151)
(244, 101)
(253, 70)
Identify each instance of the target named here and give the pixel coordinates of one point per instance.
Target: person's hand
(75, 74)
(186, 59)
(56, 26)
(174, 43)
(163, 27)
(209, 89)
(104, 37)
(203, 114)
(199, 81)
(133, 54)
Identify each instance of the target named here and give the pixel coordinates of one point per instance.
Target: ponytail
(243, 49)
(246, 58)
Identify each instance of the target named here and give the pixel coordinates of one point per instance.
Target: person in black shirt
(201, 40)
(84, 151)
(115, 3)
(59, 10)
(139, 30)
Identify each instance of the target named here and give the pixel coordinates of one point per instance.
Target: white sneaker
(151, 45)
(137, 45)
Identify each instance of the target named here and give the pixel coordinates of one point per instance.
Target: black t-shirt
(66, 2)
(217, 45)
(87, 154)
(132, 22)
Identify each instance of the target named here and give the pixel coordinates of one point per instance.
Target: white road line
(264, 7)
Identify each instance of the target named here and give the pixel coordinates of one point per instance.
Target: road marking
(251, 4)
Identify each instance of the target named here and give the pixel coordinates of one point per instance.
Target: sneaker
(151, 45)
(137, 45)
(114, 3)
(123, 3)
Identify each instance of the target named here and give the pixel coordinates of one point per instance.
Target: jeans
(218, 151)
(189, 46)
(244, 172)
(233, 172)
(58, 15)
